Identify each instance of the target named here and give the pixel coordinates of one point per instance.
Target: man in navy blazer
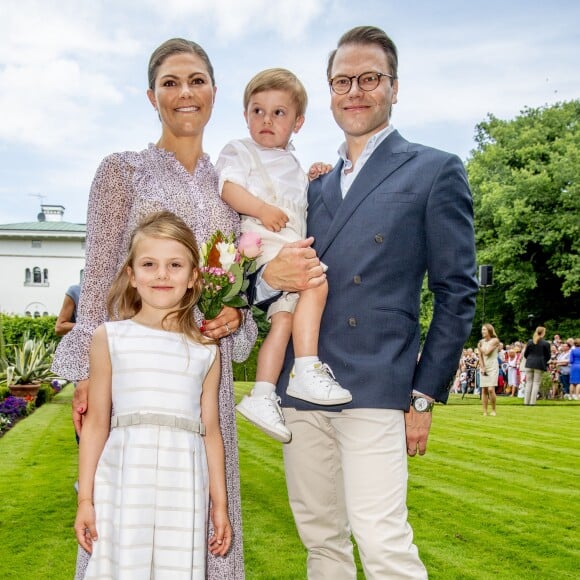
(387, 214)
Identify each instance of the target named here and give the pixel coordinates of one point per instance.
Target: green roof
(44, 227)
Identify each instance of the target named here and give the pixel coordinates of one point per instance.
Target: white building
(39, 261)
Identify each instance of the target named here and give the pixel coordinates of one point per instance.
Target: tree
(524, 174)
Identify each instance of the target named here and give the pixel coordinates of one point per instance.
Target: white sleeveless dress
(151, 484)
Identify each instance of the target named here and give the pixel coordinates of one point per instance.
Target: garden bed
(16, 406)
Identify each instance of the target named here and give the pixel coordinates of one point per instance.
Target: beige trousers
(533, 382)
(347, 473)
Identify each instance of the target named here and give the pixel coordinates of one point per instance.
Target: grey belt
(157, 419)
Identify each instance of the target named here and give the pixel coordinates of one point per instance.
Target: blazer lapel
(331, 194)
(387, 158)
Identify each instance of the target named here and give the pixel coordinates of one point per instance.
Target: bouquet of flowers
(225, 269)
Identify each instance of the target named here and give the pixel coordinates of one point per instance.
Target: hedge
(15, 327)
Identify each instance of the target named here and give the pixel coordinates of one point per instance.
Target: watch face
(421, 404)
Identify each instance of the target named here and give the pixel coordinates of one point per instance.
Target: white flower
(227, 254)
(203, 251)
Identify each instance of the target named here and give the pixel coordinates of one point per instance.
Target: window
(36, 276)
(36, 244)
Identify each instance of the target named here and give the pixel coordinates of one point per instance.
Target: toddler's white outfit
(276, 177)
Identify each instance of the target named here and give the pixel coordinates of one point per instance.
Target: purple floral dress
(127, 187)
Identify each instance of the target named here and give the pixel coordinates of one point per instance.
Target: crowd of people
(517, 374)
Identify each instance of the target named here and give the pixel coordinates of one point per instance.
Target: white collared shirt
(349, 173)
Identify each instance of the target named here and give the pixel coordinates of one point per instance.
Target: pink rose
(250, 245)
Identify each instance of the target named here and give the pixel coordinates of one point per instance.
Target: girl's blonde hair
(540, 333)
(124, 301)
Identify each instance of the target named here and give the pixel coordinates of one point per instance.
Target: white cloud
(498, 74)
(51, 104)
(33, 30)
(235, 19)
(56, 71)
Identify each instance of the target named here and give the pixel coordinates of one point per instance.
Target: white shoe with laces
(317, 385)
(265, 413)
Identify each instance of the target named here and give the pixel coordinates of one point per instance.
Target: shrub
(15, 328)
(545, 385)
(44, 395)
(5, 423)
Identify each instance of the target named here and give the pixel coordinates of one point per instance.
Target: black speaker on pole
(485, 275)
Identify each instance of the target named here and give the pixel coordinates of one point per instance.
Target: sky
(73, 76)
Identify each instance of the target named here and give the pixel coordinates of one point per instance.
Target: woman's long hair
(490, 330)
(124, 301)
(539, 334)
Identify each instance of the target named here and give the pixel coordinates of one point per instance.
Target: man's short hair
(367, 35)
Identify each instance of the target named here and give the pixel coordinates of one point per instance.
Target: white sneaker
(317, 385)
(265, 413)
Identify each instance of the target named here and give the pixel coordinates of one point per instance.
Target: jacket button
(352, 321)
(379, 239)
(357, 280)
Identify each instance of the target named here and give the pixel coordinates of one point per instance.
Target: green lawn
(495, 497)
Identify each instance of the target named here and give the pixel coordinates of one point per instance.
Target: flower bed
(12, 409)
(15, 408)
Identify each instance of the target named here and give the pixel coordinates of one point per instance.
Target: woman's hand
(225, 323)
(80, 404)
(221, 540)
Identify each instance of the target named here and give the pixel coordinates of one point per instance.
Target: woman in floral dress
(173, 174)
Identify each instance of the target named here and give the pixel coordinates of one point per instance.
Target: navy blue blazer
(408, 212)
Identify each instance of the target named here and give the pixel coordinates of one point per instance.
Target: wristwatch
(421, 404)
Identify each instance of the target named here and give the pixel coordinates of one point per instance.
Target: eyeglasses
(367, 81)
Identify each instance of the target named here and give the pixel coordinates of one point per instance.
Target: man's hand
(417, 427)
(295, 268)
(80, 404)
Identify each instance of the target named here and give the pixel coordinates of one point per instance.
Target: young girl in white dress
(151, 454)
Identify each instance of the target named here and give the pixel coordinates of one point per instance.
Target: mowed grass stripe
(266, 513)
(500, 500)
(495, 497)
(38, 465)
